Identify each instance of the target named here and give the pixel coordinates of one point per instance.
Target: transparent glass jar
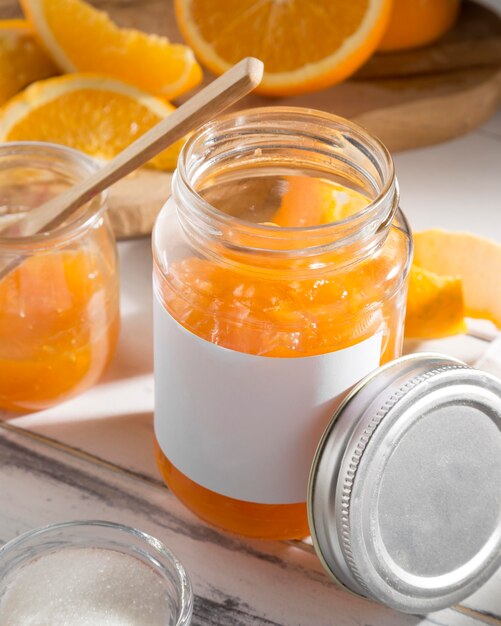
(261, 328)
(89, 572)
(59, 309)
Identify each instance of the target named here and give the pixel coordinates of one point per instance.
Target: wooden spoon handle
(226, 90)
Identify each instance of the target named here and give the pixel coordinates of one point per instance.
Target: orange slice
(475, 259)
(435, 306)
(22, 60)
(83, 39)
(415, 23)
(305, 45)
(312, 201)
(94, 114)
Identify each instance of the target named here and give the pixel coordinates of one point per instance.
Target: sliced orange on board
(94, 114)
(475, 259)
(22, 60)
(82, 39)
(305, 45)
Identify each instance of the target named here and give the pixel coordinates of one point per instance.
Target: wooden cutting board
(409, 99)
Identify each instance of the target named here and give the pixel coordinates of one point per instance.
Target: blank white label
(242, 425)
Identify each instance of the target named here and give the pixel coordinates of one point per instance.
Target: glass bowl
(76, 572)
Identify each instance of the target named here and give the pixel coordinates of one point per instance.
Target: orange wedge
(435, 306)
(83, 39)
(22, 60)
(305, 45)
(475, 259)
(94, 114)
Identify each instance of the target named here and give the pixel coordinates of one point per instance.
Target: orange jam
(269, 282)
(59, 309)
(58, 328)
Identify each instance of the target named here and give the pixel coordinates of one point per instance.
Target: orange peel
(435, 306)
(475, 259)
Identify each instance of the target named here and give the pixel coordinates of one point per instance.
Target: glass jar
(280, 277)
(92, 572)
(59, 309)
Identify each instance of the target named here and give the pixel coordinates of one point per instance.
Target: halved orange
(305, 45)
(83, 39)
(475, 259)
(22, 60)
(435, 306)
(94, 114)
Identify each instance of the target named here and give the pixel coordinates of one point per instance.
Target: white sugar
(85, 587)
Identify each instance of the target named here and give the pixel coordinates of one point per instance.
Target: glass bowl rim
(77, 225)
(155, 549)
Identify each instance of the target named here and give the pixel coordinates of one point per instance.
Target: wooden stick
(226, 90)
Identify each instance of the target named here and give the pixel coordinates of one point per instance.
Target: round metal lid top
(405, 490)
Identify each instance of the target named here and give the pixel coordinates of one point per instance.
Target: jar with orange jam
(59, 308)
(280, 278)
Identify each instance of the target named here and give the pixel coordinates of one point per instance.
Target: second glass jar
(59, 304)
(280, 278)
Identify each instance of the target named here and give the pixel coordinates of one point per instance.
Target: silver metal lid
(404, 499)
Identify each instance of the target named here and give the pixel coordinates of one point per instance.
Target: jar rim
(161, 556)
(62, 235)
(305, 115)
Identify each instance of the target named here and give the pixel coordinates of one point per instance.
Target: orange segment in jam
(58, 327)
(312, 202)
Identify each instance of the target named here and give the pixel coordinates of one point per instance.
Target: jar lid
(404, 497)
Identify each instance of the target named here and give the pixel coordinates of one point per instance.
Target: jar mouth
(68, 166)
(108, 536)
(237, 135)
